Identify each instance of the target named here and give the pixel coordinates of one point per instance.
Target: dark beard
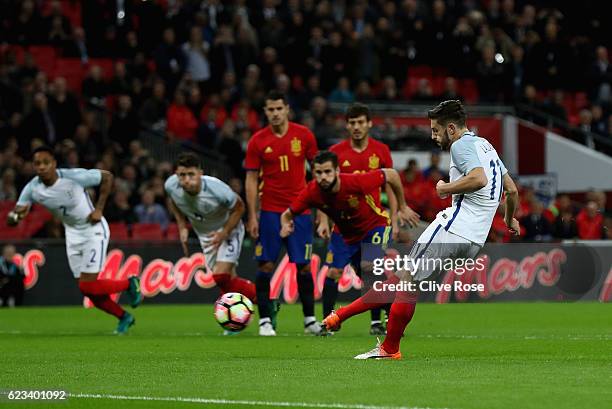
(330, 187)
(445, 142)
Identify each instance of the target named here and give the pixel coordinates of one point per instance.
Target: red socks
(99, 292)
(103, 287)
(105, 303)
(229, 284)
(401, 314)
(371, 299)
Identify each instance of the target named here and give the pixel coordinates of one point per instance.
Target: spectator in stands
(583, 133)
(537, 227)
(153, 111)
(389, 92)
(342, 93)
(8, 191)
(196, 51)
(40, 122)
(170, 60)
(27, 26)
(490, 76)
(119, 209)
(150, 212)
(124, 126)
(554, 105)
(337, 59)
(600, 76)
(94, 87)
(590, 222)
(224, 54)
(87, 148)
(65, 107)
(434, 164)
(424, 92)
(11, 278)
(565, 225)
(450, 90)
(182, 124)
(76, 46)
(599, 124)
(121, 83)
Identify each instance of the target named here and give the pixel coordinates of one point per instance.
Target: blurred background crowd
(114, 84)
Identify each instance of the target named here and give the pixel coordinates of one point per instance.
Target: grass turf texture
(456, 356)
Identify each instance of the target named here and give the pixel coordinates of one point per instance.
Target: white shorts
(228, 251)
(436, 243)
(86, 254)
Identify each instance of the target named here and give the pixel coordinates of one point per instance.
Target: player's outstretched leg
(364, 303)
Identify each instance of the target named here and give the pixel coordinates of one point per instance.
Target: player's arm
(393, 209)
(181, 222)
(323, 225)
(287, 225)
(512, 200)
(475, 180)
(235, 215)
(405, 214)
(22, 207)
(106, 185)
(299, 205)
(17, 214)
(252, 193)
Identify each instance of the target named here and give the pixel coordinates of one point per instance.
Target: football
(233, 311)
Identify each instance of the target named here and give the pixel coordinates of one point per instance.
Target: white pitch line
(240, 402)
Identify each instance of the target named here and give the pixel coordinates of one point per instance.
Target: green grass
(456, 356)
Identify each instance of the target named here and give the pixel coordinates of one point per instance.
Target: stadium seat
(147, 231)
(172, 232)
(45, 58)
(71, 69)
(119, 231)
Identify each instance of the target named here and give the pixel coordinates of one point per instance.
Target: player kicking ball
(345, 199)
(477, 178)
(214, 211)
(62, 191)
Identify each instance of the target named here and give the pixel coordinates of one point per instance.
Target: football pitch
(456, 356)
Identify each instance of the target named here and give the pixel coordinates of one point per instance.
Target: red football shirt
(281, 162)
(352, 208)
(375, 156)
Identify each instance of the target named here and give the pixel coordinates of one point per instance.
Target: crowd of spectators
(198, 71)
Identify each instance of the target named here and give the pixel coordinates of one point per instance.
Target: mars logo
(508, 275)
(285, 279)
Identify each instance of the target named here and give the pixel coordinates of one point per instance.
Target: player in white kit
(214, 211)
(63, 192)
(477, 178)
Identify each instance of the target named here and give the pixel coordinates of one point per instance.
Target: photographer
(11, 279)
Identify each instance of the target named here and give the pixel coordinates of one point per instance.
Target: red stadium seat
(119, 231)
(172, 232)
(45, 58)
(71, 69)
(147, 231)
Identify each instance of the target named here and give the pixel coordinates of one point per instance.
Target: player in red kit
(357, 154)
(275, 163)
(346, 199)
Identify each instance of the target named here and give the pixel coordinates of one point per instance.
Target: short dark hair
(275, 95)
(448, 111)
(44, 148)
(356, 110)
(325, 156)
(188, 160)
